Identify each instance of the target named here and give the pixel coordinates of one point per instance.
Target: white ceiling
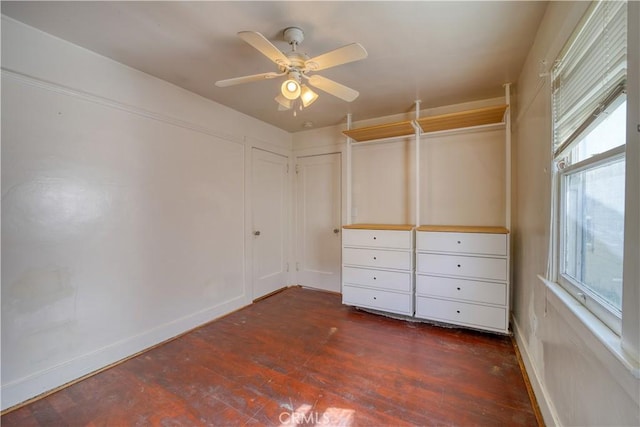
(440, 52)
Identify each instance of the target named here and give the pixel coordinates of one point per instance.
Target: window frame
(603, 310)
(610, 96)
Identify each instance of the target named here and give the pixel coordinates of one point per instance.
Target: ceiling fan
(294, 92)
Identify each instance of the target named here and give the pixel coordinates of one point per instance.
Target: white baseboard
(547, 409)
(33, 385)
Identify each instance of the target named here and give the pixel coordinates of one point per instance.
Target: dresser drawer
(390, 280)
(471, 243)
(464, 266)
(469, 290)
(397, 239)
(400, 260)
(461, 313)
(377, 299)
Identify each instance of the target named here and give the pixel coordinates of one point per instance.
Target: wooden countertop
(463, 229)
(394, 227)
(435, 228)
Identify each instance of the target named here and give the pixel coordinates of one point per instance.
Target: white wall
(578, 381)
(383, 176)
(463, 179)
(124, 210)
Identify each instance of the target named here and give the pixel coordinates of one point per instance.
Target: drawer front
(377, 258)
(464, 266)
(461, 289)
(470, 243)
(396, 239)
(391, 280)
(378, 300)
(461, 313)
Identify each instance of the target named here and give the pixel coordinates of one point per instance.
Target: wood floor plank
(300, 357)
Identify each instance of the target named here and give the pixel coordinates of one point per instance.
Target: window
(592, 176)
(589, 106)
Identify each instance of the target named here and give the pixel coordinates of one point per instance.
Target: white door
(269, 199)
(318, 241)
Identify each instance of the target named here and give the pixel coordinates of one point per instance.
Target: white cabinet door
(398, 260)
(381, 279)
(393, 239)
(377, 299)
(474, 315)
(470, 243)
(318, 191)
(464, 266)
(462, 289)
(269, 201)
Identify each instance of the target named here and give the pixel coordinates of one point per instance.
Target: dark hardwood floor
(300, 357)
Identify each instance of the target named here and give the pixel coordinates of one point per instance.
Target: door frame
(250, 145)
(315, 152)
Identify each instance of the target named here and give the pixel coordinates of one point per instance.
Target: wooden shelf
(463, 119)
(394, 227)
(389, 130)
(463, 229)
(442, 122)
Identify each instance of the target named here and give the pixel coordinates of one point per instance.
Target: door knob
(256, 233)
(336, 230)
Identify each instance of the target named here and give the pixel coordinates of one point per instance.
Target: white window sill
(562, 301)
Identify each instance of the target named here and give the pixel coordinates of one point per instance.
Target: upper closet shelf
(389, 130)
(463, 119)
(443, 122)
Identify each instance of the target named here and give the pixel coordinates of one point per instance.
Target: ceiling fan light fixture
(290, 89)
(283, 103)
(307, 96)
(295, 65)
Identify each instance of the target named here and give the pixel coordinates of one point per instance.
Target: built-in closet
(431, 240)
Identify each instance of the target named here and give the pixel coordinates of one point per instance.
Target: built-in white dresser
(462, 276)
(377, 267)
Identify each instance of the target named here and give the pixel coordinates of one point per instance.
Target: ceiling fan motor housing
(293, 35)
(297, 60)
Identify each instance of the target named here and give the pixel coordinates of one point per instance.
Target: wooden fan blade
(247, 79)
(333, 88)
(265, 47)
(345, 54)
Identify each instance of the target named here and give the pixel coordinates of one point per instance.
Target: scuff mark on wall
(40, 300)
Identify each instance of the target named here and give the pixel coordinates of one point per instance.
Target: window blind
(590, 72)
